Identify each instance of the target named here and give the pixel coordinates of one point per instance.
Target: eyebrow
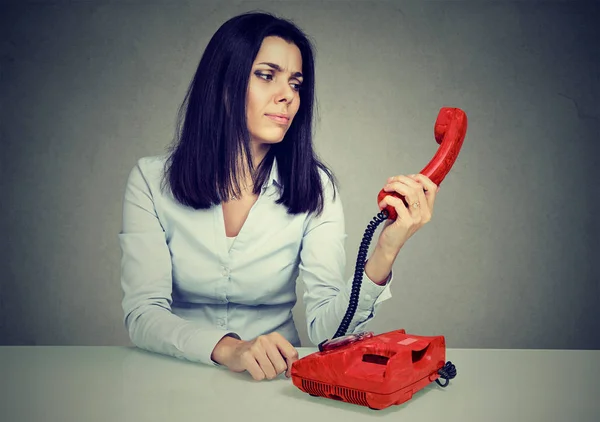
(278, 68)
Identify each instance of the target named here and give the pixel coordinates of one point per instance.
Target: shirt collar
(273, 176)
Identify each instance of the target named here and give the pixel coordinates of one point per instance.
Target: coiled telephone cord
(363, 250)
(448, 371)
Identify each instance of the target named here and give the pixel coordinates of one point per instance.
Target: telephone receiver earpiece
(449, 130)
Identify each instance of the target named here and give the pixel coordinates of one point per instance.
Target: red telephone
(373, 371)
(449, 131)
(386, 369)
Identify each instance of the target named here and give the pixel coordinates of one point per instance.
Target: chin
(271, 137)
(270, 141)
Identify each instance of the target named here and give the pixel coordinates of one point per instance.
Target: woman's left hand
(419, 192)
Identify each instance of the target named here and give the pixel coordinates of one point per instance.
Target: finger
(410, 182)
(423, 206)
(419, 182)
(252, 366)
(289, 353)
(291, 356)
(407, 180)
(398, 204)
(288, 372)
(431, 189)
(265, 364)
(276, 359)
(259, 351)
(408, 192)
(424, 180)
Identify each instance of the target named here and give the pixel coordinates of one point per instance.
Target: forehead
(279, 51)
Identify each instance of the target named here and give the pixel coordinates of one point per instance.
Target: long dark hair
(203, 165)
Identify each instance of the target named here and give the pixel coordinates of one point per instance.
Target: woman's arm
(323, 264)
(379, 267)
(147, 282)
(323, 257)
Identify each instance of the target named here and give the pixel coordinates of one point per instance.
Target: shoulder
(329, 184)
(332, 208)
(148, 172)
(332, 211)
(152, 165)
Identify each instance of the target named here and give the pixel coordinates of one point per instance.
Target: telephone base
(375, 371)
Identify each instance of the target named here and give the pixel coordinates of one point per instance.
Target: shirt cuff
(201, 346)
(372, 294)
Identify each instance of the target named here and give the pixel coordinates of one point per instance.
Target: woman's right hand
(266, 356)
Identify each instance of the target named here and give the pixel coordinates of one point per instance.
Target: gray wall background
(510, 259)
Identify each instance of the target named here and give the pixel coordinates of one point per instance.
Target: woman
(216, 232)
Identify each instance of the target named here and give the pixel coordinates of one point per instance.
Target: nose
(285, 94)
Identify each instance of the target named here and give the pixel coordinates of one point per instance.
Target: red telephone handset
(449, 131)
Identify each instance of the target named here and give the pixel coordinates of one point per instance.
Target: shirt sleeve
(146, 280)
(322, 265)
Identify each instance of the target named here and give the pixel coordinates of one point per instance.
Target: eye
(265, 76)
(269, 77)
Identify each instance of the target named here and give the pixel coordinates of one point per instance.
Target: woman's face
(273, 99)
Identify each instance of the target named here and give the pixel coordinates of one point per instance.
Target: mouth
(278, 118)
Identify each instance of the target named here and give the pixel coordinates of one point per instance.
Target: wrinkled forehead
(285, 55)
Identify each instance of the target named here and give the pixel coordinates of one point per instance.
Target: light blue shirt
(185, 288)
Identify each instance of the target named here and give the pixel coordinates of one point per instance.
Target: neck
(258, 154)
(259, 151)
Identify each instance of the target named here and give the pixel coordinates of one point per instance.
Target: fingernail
(389, 179)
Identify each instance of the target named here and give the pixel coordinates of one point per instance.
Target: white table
(88, 384)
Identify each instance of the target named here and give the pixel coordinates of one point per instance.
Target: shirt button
(368, 297)
(225, 272)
